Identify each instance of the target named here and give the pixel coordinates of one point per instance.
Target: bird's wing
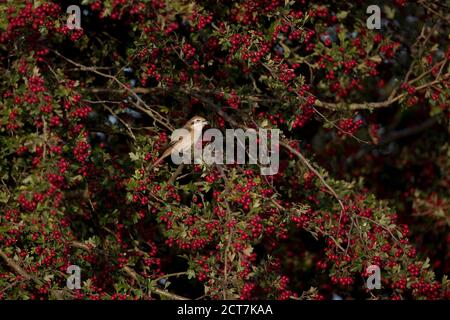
(167, 151)
(174, 141)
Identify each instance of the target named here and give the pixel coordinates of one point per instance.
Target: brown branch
(433, 11)
(28, 277)
(230, 235)
(376, 105)
(176, 174)
(133, 274)
(176, 274)
(17, 268)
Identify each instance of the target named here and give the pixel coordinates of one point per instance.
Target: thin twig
(339, 128)
(154, 114)
(163, 293)
(121, 121)
(176, 274)
(312, 169)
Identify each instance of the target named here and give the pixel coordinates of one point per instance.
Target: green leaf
(191, 274)
(4, 229)
(426, 264)
(390, 12)
(342, 15)
(134, 156)
(4, 197)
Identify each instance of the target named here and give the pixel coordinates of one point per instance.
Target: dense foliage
(364, 158)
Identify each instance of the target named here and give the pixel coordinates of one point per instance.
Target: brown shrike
(185, 142)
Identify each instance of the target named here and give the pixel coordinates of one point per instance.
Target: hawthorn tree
(364, 152)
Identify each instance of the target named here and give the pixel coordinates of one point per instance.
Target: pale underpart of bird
(185, 142)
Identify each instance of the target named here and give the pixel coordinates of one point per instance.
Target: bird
(184, 143)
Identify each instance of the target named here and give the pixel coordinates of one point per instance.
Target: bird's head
(197, 122)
